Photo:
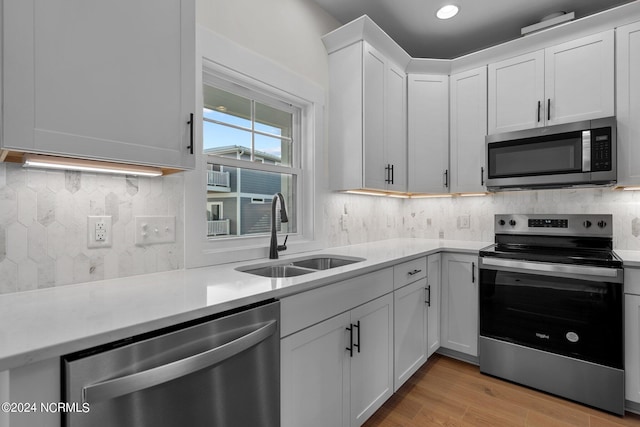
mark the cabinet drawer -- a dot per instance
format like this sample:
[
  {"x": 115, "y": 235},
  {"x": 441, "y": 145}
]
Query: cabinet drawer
[
  {"x": 632, "y": 281},
  {"x": 308, "y": 308},
  {"x": 409, "y": 272}
]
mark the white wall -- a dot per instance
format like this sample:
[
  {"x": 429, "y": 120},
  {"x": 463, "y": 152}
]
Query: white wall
[{"x": 286, "y": 31}]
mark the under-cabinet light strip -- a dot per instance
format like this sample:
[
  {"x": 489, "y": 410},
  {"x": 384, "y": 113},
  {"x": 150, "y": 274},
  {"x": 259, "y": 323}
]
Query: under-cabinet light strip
[{"x": 53, "y": 162}]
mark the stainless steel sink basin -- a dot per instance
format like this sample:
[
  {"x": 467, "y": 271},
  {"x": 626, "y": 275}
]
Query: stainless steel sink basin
[
  {"x": 299, "y": 266},
  {"x": 324, "y": 263},
  {"x": 278, "y": 271}
]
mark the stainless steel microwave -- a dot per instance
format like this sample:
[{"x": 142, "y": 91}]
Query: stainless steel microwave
[{"x": 568, "y": 155}]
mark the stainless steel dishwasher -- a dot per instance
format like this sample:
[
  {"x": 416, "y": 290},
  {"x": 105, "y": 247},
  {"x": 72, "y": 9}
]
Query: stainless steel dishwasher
[{"x": 222, "y": 371}]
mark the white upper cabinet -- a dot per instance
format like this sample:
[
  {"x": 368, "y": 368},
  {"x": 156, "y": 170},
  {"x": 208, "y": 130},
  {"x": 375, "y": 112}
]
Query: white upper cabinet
[
  {"x": 468, "y": 129},
  {"x": 367, "y": 120},
  {"x": 428, "y": 133},
  {"x": 579, "y": 79},
  {"x": 568, "y": 82},
  {"x": 111, "y": 81},
  {"x": 516, "y": 93},
  {"x": 628, "y": 107}
]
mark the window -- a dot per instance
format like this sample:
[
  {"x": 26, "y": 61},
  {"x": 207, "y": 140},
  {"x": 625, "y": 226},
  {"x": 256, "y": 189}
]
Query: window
[
  {"x": 278, "y": 115},
  {"x": 250, "y": 141}
]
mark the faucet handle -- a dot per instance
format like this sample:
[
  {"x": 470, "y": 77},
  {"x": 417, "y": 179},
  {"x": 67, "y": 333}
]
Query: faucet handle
[{"x": 283, "y": 246}]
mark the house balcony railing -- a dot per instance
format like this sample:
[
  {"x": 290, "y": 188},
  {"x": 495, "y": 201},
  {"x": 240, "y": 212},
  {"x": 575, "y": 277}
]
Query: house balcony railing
[
  {"x": 218, "y": 181},
  {"x": 218, "y": 227}
]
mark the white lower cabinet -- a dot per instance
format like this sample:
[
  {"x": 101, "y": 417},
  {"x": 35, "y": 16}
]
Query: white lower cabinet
[
  {"x": 416, "y": 315},
  {"x": 410, "y": 330},
  {"x": 339, "y": 371},
  {"x": 434, "y": 266},
  {"x": 632, "y": 335},
  {"x": 315, "y": 375},
  {"x": 459, "y": 319},
  {"x": 372, "y": 362}
]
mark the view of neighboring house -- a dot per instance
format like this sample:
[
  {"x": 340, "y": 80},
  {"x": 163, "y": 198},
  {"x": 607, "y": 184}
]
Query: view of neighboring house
[{"x": 239, "y": 200}]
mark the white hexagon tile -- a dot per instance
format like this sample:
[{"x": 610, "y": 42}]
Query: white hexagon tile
[
  {"x": 43, "y": 222},
  {"x": 43, "y": 226}
]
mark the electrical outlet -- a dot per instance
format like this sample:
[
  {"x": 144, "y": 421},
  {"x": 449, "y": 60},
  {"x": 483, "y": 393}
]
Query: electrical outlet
[
  {"x": 98, "y": 231},
  {"x": 464, "y": 221},
  {"x": 344, "y": 222}
]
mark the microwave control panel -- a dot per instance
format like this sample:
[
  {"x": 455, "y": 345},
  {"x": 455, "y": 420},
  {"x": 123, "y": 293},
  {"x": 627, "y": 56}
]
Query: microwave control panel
[{"x": 601, "y": 149}]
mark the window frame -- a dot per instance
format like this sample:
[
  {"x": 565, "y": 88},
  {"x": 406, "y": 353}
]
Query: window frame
[
  {"x": 232, "y": 62},
  {"x": 257, "y": 163}
]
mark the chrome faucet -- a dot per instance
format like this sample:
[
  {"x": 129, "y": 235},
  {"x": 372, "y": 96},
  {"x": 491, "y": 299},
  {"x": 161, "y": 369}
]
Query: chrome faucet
[{"x": 273, "y": 246}]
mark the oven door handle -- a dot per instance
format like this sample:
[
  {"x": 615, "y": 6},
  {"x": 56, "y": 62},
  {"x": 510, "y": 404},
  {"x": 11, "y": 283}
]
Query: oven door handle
[
  {"x": 541, "y": 267},
  {"x": 139, "y": 381}
]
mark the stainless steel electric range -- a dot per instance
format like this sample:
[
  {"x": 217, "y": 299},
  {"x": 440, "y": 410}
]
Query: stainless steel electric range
[{"x": 551, "y": 307}]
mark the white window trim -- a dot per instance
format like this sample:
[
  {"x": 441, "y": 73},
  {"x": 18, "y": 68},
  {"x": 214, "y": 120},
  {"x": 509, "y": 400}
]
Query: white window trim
[{"x": 227, "y": 59}]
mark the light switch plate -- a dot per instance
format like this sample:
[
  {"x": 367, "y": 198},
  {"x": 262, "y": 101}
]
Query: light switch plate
[{"x": 151, "y": 230}]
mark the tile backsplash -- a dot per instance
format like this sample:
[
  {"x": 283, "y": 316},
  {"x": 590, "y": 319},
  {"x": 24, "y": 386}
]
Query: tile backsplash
[
  {"x": 43, "y": 221},
  {"x": 379, "y": 218},
  {"x": 43, "y": 226}
]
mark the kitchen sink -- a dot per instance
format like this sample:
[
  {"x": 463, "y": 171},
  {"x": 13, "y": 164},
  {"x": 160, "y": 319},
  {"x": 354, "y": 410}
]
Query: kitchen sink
[
  {"x": 324, "y": 263},
  {"x": 300, "y": 266},
  {"x": 278, "y": 271}
]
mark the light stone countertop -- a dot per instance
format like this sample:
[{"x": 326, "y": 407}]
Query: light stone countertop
[
  {"x": 630, "y": 258},
  {"x": 46, "y": 323},
  {"x": 37, "y": 325}
]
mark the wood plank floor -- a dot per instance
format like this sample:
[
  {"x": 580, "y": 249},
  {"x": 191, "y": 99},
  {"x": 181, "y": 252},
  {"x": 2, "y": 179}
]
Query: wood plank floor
[{"x": 447, "y": 392}]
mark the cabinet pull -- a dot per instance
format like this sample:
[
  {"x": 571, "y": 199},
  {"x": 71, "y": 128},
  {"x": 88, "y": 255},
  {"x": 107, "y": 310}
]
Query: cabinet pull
[
  {"x": 391, "y": 174},
  {"x": 539, "y": 111},
  {"x": 387, "y": 172},
  {"x": 548, "y": 109},
  {"x": 428, "y": 301},
  {"x": 350, "y": 348},
  {"x": 446, "y": 178},
  {"x": 473, "y": 272},
  {"x": 190, "y": 123},
  {"x": 482, "y": 175},
  {"x": 414, "y": 272},
  {"x": 357, "y": 325}
]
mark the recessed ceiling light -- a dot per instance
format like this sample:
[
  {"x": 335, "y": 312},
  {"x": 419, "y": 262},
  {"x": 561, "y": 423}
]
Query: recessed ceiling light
[{"x": 447, "y": 11}]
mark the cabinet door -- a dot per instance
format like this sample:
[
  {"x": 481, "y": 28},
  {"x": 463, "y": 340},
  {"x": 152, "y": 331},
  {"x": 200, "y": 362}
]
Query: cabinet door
[
  {"x": 516, "y": 93},
  {"x": 468, "y": 129},
  {"x": 315, "y": 375},
  {"x": 460, "y": 303},
  {"x": 632, "y": 347},
  {"x": 375, "y": 173},
  {"x": 410, "y": 331},
  {"x": 433, "y": 305},
  {"x": 396, "y": 127},
  {"x": 114, "y": 81},
  {"x": 628, "y": 105},
  {"x": 372, "y": 363},
  {"x": 579, "y": 77},
  {"x": 428, "y": 133}
]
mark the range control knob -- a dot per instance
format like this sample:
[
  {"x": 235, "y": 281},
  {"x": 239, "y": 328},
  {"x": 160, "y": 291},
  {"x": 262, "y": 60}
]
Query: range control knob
[
  {"x": 502, "y": 222},
  {"x": 512, "y": 222},
  {"x": 602, "y": 224},
  {"x": 587, "y": 224}
]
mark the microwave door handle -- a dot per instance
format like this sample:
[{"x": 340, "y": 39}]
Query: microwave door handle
[
  {"x": 586, "y": 151},
  {"x": 548, "y": 269},
  {"x": 161, "y": 374}
]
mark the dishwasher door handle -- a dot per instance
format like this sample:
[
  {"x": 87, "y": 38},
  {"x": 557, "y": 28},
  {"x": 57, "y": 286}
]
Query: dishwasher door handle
[{"x": 164, "y": 373}]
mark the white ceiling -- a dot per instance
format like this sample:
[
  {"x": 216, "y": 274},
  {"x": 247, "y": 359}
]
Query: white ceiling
[{"x": 480, "y": 23}]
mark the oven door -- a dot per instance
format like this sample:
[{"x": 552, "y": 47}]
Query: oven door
[{"x": 571, "y": 310}]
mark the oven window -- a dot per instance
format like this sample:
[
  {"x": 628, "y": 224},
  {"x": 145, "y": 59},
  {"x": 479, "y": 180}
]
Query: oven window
[
  {"x": 562, "y": 154},
  {"x": 575, "y": 318}
]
